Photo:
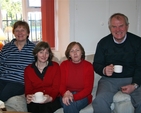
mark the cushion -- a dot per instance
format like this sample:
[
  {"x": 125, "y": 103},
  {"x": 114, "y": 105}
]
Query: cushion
[
  {"x": 16, "y": 103},
  {"x": 119, "y": 96},
  {"x": 120, "y": 103}
]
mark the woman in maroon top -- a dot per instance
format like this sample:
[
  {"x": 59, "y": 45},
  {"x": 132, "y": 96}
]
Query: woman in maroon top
[
  {"x": 77, "y": 77},
  {"x": 42, "y": 76}
]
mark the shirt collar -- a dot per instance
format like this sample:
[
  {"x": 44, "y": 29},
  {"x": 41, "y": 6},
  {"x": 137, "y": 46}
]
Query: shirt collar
[
  {"x": 13, "y": 40},
  {"x": 121, "y": 41},
  {"x": 49, "y": 64}
]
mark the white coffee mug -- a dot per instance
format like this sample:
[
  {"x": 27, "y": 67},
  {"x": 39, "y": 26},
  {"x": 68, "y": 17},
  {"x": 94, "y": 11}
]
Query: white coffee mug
[
  {"x": 38, "y": 96},
  {"x": 118, "y": 68}
]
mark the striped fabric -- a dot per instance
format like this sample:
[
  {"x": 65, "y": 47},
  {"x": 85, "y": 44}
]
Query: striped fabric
[{"x": 13, "y": 61}]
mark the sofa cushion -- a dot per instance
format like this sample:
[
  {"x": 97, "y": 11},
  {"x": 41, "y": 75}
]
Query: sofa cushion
[
  {"x": 119, "y": 96},
  {"x": 121, "y": 101},
  {"x": 16, "y": 103}
]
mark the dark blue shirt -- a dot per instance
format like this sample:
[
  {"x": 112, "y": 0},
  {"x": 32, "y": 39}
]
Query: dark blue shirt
[
  {"x": 13, "y": 61},
  {"x": 127, "y": 54}
]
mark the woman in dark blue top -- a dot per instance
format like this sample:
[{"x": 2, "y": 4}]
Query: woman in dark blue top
[{"x": 14, "y": 57}]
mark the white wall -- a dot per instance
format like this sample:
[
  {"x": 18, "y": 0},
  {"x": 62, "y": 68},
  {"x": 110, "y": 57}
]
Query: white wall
[
  {"x": 62, "y": 27},
  {"x": 89, "y": 20},
  {"x": 86, "y": 21},
  {"x": 139, "y": 17}
]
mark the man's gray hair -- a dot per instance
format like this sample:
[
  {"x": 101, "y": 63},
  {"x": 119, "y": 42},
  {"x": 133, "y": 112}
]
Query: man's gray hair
[{"x": 117, "y": 16}]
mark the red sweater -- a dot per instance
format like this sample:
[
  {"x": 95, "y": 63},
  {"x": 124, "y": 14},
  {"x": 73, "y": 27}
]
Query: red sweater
[
  {"x": 77, "y": 78},
  {"x": 50, "y": 83}
]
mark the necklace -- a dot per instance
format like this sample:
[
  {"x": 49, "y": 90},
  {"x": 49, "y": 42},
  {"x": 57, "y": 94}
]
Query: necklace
[{"x": 41, "y": 69}]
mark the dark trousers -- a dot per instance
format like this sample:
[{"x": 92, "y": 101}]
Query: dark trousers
[
  {"x": 107, "y": 88},
  {"x": 9, "y": 89},
  {"x": 50, "y": 107}
]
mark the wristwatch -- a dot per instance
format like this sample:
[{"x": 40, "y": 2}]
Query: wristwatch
[{"x": 135, "y": 85}]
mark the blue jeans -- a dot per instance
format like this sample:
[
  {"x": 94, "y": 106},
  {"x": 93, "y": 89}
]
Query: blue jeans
[
  {"x": 9, "y": 89},
  {"x": 75, "y": 106}
]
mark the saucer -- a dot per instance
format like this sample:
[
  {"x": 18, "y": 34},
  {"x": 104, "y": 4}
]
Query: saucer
[{"x": 41, "y": 101}]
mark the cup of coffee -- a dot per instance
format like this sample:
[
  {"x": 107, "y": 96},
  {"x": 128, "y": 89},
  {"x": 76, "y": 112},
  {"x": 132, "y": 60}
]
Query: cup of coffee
[
  {"x": 118, "y": 68},
  {"x": 38, "y": 96}
]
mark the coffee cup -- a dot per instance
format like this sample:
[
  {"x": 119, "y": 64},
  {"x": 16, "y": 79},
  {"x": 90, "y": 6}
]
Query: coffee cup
[
  {"x": 38, "y": 96},
  {"x": 118, "y": 68}
]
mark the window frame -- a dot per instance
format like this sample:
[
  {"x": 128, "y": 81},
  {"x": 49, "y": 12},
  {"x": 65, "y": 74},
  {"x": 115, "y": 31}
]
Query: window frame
[
  {"x": 48, "y": 29},
  {"x": 26, "y": 9},
  {"x": 34, "y": 6}
]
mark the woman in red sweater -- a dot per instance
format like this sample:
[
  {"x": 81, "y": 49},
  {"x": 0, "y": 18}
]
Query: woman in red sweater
[
  {"x": 77, "y": 77},
  {"x": 42, "y": 76}
]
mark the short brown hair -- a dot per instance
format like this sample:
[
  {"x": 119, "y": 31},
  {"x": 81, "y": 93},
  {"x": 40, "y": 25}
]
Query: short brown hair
[
  {"x": 41, "y": 46},
  {"x": 67, "y": 52},
  {"x": 21, "y": 23}
]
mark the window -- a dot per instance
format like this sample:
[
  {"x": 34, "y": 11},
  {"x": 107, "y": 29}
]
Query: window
[
  {"x": 34, "y": 3},
  {"x": 10, "y": 12},
  {"x": 38, "y": 13},
  {"x": 20, "y": 10},
  {"x": 32, "y": 14}
]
